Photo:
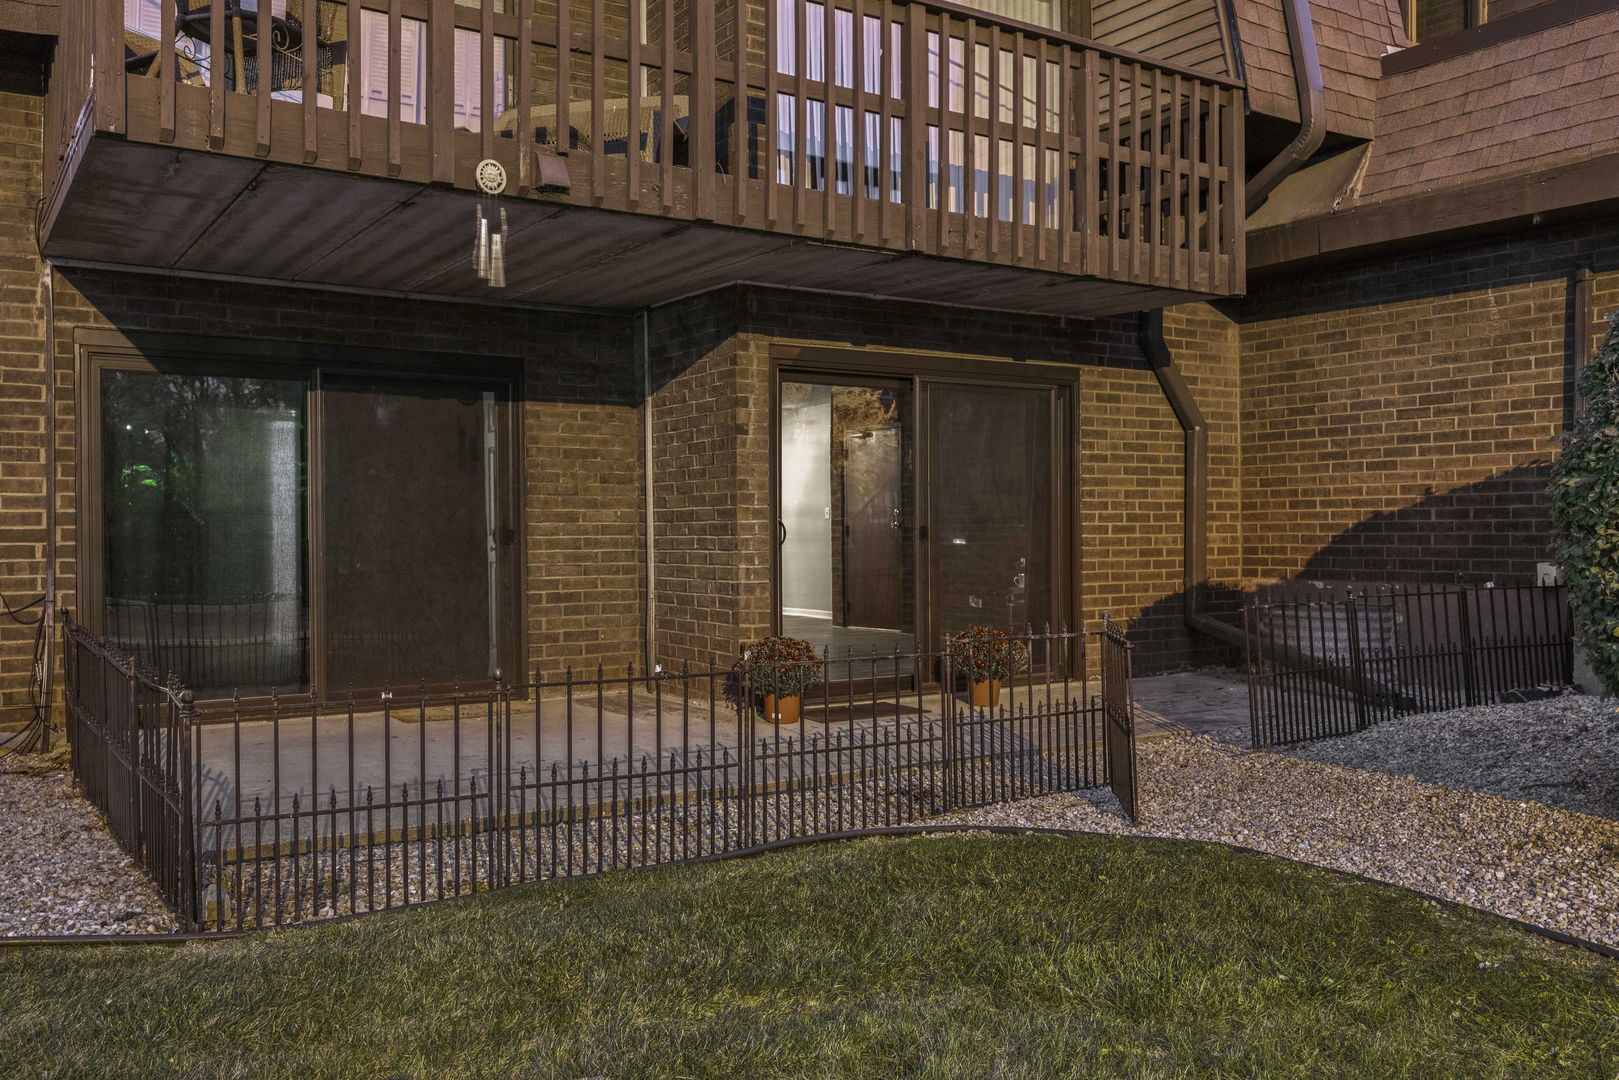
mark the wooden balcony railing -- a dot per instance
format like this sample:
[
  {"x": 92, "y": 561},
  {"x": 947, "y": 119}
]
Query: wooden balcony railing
[{"x": 907, "y": 126}]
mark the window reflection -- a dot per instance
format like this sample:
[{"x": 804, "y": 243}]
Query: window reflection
[
  {"x": 203, "y": 494},
  {"x": 847, "y": 511}
]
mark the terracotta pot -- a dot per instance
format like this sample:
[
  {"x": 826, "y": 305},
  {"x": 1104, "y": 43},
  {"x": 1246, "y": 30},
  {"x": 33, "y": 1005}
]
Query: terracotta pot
[
  {"x": 783, "y": 710},
  {"x": 986, "y": 694}
]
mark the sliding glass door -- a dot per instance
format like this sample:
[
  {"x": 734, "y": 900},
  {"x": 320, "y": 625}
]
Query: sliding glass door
[
  {"x": 305, "y": 530},
  {"x": 847, "y": 515},
  {"x": 990, "y": 498},
  {"x": 911, "y": 508},
  {"x": 410, "y": 554},
  {"x": 203, "y": 486}
]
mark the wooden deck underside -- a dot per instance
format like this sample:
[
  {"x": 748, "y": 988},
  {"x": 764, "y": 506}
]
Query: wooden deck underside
[{"x": 138, "y": 204}]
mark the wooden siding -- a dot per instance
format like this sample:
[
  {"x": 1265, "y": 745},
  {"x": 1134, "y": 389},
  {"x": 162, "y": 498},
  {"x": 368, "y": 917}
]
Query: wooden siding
[
  {"x": 1185, "y": 32},
  {"x": 1351, "y": 38},
  {"x": 1011, "y": 146}
]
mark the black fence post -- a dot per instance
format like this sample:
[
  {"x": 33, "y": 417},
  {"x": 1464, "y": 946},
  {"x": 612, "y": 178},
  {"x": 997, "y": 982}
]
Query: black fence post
[
  {"x": 191, "y": 892},
  {"x": 952, "y": 733},
  {"x": 1357, "y": 661},
  {"x": 1469, "y": 654},
  {"x": 744, "y": 757},
  {"x": 1250, "y": 663}
]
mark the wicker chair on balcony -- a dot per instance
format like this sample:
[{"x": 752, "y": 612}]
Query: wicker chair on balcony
[{"x": 616, "y": 122}]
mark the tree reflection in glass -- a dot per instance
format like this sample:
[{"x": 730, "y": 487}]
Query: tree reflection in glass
[{"x": 204, "y": 483}]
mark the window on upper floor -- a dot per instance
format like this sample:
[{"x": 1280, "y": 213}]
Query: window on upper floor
[{"x": 1426, "y": 20}]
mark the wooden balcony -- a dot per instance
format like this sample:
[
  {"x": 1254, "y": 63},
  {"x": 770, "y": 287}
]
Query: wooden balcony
[{"x": 936, "y": 155}]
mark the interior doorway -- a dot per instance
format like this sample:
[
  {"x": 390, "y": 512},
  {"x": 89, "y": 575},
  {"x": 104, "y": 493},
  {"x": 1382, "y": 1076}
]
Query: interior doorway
[{"x": 847, "y": 514}]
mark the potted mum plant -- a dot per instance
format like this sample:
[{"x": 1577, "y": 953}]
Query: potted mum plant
[
  {"x": 987, "y": 657},
  {"x": 780, "y": 669}
]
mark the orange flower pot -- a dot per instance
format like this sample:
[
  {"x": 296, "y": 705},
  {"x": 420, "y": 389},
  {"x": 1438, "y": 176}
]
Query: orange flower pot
[
  {"x": 986, "y": 694},
  {"x": 783, "y": 710}
]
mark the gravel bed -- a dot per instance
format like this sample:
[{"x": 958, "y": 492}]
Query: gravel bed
[
  {"x": 61, "y": 872},
  {"x": 1561, "y": 751},
  {"x": 1551, "y": 867}
]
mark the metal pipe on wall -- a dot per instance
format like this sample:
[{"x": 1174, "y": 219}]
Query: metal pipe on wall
[
  {"x": 1583, "y": 301},
  {"x": 1195, "y": 562},
  {"x": 643, "y": 349},
  {"x": 1312, "y": 106},
  {"x": 47, "y": 303},
  {"x": 1312, "y": 130}
]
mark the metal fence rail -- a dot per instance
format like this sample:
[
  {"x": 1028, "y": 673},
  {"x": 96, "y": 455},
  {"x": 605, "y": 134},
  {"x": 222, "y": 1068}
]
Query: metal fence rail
[
  {"x": 130, "y": 752},
  {"x": 1339, "y": 659},
  {"x": 280, "y": 811}
]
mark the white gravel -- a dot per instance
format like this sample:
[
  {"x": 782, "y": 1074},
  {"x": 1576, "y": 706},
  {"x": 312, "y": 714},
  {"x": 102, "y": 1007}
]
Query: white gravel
[
  {"x": 1562, "y": 751},
  {"x": 1452, "y": 804},
  {"x": 1551, "y": 867},
  {"x": 61, "y": 872}
]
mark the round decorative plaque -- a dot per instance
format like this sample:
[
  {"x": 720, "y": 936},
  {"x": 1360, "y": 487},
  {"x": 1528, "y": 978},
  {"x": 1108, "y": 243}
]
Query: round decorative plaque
[{"x": 491, "y": 176}]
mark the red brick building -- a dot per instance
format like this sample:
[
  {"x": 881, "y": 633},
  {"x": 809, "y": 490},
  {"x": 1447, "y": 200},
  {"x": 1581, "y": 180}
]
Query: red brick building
[{"x": 792, "y": 326}]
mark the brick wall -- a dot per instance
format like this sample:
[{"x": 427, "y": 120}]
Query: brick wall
[
  {"x": 22, "y": 380},
  {"x": 1399, "y": 415},
  {"x": 710, "y": 483},
  {"x": 1133, "y": 482},
  {"x": 581, "y": 450},
  {"x": 711, "y": 460}
]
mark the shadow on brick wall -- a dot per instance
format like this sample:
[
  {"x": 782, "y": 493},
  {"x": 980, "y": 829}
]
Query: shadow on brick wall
[{"x": 1497, "y": 529}]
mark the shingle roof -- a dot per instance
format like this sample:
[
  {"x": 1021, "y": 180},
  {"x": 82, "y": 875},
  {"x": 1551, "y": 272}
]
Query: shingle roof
[
  {"x": 1351, "y": 38},
  {"x": 1520, "y": 106}
]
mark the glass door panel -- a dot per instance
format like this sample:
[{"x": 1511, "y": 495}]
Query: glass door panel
[
  {"x": 411, "y": 524},
  {"x": 203, "y": 491},
  {"x": 846, "y": 531},
  {"x": 990, "y": 509}
]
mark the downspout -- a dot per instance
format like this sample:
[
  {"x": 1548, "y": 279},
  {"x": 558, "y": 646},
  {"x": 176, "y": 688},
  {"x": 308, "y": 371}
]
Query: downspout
[
  {"x": 47, "y": 303},
  {"x": 1312, "y": 105},
  {"x": 1195, "y": 561},
  {"x": 643, "y": 349},
  {"x": 1312, "y": 130}
]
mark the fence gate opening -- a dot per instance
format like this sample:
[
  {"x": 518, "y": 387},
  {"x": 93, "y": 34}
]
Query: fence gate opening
[
  {"x": 1338, "y": 658},
  {"x": 1119, "y": 731}
]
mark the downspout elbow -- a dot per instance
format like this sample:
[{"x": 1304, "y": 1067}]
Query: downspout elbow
[
  {"x": 1183, "y": 403},
  {"x": 1312, "y": 106}
]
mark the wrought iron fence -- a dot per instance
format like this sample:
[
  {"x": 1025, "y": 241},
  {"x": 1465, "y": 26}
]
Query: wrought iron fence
[
  {"x": 1337, "y": 659},
  {"x": 276, "y": 811},
  {"x": 130, "y": 751}
]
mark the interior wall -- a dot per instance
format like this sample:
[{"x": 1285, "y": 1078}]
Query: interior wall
[{"x": 806, "y": 505}]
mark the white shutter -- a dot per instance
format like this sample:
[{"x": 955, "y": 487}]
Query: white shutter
[{"x": 373, "y": 56}]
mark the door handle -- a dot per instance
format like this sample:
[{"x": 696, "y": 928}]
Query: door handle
[{"x": 781, "y": 536}]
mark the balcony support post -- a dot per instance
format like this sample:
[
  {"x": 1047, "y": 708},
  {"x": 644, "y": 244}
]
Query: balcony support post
[
  {"x": 916, "y": 111},
  {"x": 441, "y": 90},
  {"x": 700, "y": 155}
]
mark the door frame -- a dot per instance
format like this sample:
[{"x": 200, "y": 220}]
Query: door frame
[
  {"x": 97, "y": 349},
  {"x": 808, "y": 362}
]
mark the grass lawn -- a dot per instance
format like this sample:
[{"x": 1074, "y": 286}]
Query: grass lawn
[{"x": 953, "y": 956}]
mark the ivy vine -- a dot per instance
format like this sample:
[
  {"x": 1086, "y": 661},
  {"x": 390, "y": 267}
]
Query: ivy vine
[{"x": 1585, "y": 513}]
